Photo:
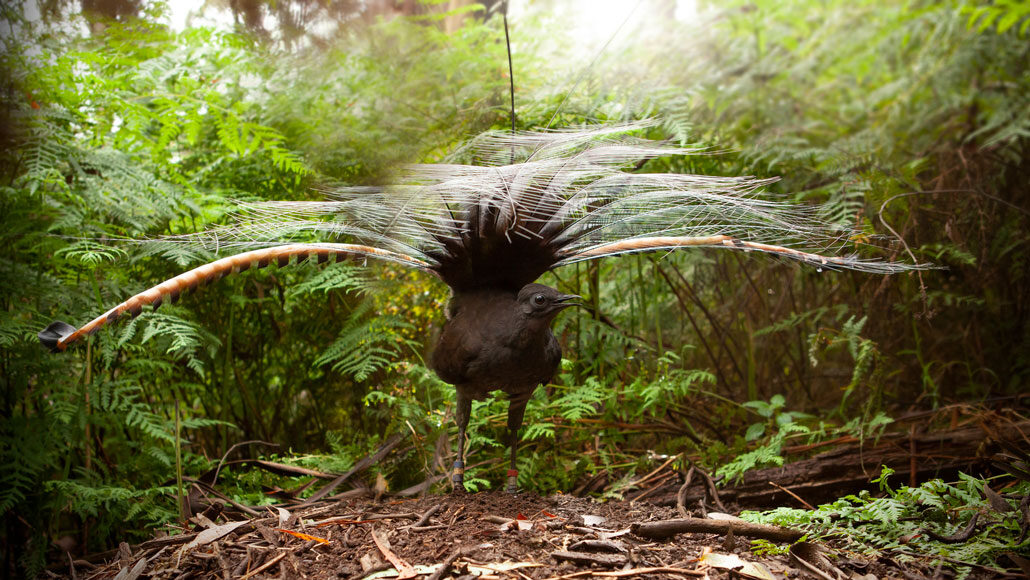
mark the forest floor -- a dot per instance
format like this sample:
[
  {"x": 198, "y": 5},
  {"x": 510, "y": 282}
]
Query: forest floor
[
  {"x": 482, "y": 535},
  {"x": 671, "y": 525}
]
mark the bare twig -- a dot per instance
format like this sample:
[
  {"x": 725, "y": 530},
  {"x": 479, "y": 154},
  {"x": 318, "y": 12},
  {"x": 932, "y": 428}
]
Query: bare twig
[
  {"x": 792, "y": 494},
  {"x": 425, "y": 517},
  {"x": 712, "y": 492},
  {"x": 608, "y": 560},
  {"x": 233, "y": 448},
  {"x": 264, "y": 566},
  {"x": 362, "y": 465},
  {"x": 681, "y": 495},
  {"x": 959, "y": 537},
  {"x": 631, "y": 572},
  {"x": 668, "y": 528},
  {"x": 445, "y": 566}
]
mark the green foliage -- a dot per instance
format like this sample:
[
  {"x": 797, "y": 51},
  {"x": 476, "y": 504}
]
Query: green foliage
[
  {"x": 367, "y": 343},
  {"x": 1000, "y": 15},
  {"x": 896, "y": 523},
  {"x": 896, "y": 117},
  {"x": 782, "y": 424}
]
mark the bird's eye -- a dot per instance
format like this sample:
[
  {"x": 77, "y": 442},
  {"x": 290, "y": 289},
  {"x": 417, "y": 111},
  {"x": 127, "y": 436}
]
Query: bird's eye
[{"x": 539, "y": 300}]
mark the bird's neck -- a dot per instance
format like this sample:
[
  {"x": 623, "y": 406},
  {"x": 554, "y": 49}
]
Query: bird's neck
[{"x": 500, "y": 309}]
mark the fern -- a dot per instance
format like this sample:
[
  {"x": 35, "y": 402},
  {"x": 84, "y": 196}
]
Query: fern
[
  {"x": 365, "y": 345},
  {"x": 341, "y": 276},
  {"x": 582, "y": 401},
  {"x": 894, "y": 524}
]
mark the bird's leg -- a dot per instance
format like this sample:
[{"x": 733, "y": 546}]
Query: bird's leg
[
  {"x": 461, "y": 417},
  {"x": 516, "y": 411}
]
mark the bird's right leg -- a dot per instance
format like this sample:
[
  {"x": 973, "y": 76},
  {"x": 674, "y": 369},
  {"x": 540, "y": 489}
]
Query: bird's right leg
[
  {"x": 516, "y": 413},
  {"x": 461, "y": 417}
]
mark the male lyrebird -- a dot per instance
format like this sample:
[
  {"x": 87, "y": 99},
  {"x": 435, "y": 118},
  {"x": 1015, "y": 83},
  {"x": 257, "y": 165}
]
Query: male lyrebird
[{"x": 534, "y": 201}]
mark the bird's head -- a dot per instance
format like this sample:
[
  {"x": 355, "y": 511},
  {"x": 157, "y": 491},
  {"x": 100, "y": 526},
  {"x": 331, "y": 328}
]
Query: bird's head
[{"x": 539, "y": 301}]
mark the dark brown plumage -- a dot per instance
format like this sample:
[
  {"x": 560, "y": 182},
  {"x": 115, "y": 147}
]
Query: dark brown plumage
[{"x": 496, "y": 340}]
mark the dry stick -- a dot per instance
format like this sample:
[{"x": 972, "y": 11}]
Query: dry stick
[
  {"x": 221, "y": 462},
  {"x": 958, "y": 537},
  {"x": 454, "y": 516},
  {"x": 359, "y": 466},
  {"x": 264, "y": 566},
  {"x": 226, "y": 573},
  {"x": 71, "y": 564},
  {"x": 791, "y": 494},
  {"x": 999, "y": 572},
  {"x": 598, "y": 546},
  {"x": 658, "y": 483},
  {"x": 419, "y": 488},
  {"x": 681, "y": 495},
  {"x": 590, "y": 559},
  {"x": 208, "y": 489},
  {"x": 668, "y": 528},
  {"x": 655, "y": 472},
  {"x": 425, "y": 517},
  {"x": 631, "y": 572},
  {"x": 365, "y": 520},
  {"x": 711, "y": 489},
  {"x": 445, "y": 566}
]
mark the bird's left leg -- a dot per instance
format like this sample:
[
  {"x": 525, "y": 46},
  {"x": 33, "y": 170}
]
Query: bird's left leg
[
  {"x": 461, "y": 417},
  {"x": 516, "y": 412}
]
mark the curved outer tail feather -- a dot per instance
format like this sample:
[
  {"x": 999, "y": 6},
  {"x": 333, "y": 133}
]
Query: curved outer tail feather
[
  {"x": 58, "y": 335},
  {"x": 654, "y": 244}
]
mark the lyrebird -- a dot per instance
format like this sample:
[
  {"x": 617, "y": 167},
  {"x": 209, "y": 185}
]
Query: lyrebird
[{"x": 534, "y": 202}]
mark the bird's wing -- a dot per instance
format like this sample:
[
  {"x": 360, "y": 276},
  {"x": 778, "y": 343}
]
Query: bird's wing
[{"x": 58, "y": 335}]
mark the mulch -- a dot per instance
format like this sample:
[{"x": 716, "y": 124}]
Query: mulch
[
  {"x": 483, "y": 535},
  {"x": 671, "y": 525}
]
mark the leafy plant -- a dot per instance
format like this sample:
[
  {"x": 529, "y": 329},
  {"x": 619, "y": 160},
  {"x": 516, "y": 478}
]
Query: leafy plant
[{"x": 907, "y": 523}]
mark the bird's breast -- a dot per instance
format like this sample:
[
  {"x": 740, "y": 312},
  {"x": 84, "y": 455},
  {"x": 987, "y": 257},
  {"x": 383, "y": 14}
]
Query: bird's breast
[{"x": 490, "y": 345}]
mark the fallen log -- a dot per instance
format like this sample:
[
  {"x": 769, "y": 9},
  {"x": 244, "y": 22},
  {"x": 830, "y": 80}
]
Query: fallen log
[{"x": 851, "y": 466}]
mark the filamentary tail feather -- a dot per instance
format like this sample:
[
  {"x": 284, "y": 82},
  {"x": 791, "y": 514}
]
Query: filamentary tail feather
[{"x": 568, "y": 196}]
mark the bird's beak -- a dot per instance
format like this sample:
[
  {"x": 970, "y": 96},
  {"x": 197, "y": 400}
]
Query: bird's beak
[{"x": 566, "y": 300}]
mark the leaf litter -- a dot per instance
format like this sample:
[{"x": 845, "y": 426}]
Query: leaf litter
[{"x": 486, "y": 535}]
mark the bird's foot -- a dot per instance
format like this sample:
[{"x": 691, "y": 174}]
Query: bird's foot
[
  {"x": 458, "y": 477},
  {"x": 513, "y": 481}
]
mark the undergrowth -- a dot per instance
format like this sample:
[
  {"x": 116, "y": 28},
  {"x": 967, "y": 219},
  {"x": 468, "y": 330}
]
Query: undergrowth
[
  {"x": 898, "y": 117},
  {"x": 924, "y": 523}
]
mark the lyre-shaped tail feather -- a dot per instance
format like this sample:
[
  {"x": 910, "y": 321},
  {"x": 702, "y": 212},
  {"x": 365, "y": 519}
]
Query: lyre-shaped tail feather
[
  {"x": 655, "y": 244},
  {"x": 58, "y": 335}
]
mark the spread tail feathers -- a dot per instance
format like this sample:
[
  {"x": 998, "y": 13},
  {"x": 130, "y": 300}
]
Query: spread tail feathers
[
  {"x": 533, "y": 201},
  {"x": 568, "y": 196}
]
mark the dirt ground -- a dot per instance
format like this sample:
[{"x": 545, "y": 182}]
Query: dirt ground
[{"x": 483, "y": 535}]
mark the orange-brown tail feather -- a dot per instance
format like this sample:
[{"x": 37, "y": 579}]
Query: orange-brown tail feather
[{"x": 58, "y": 335}]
